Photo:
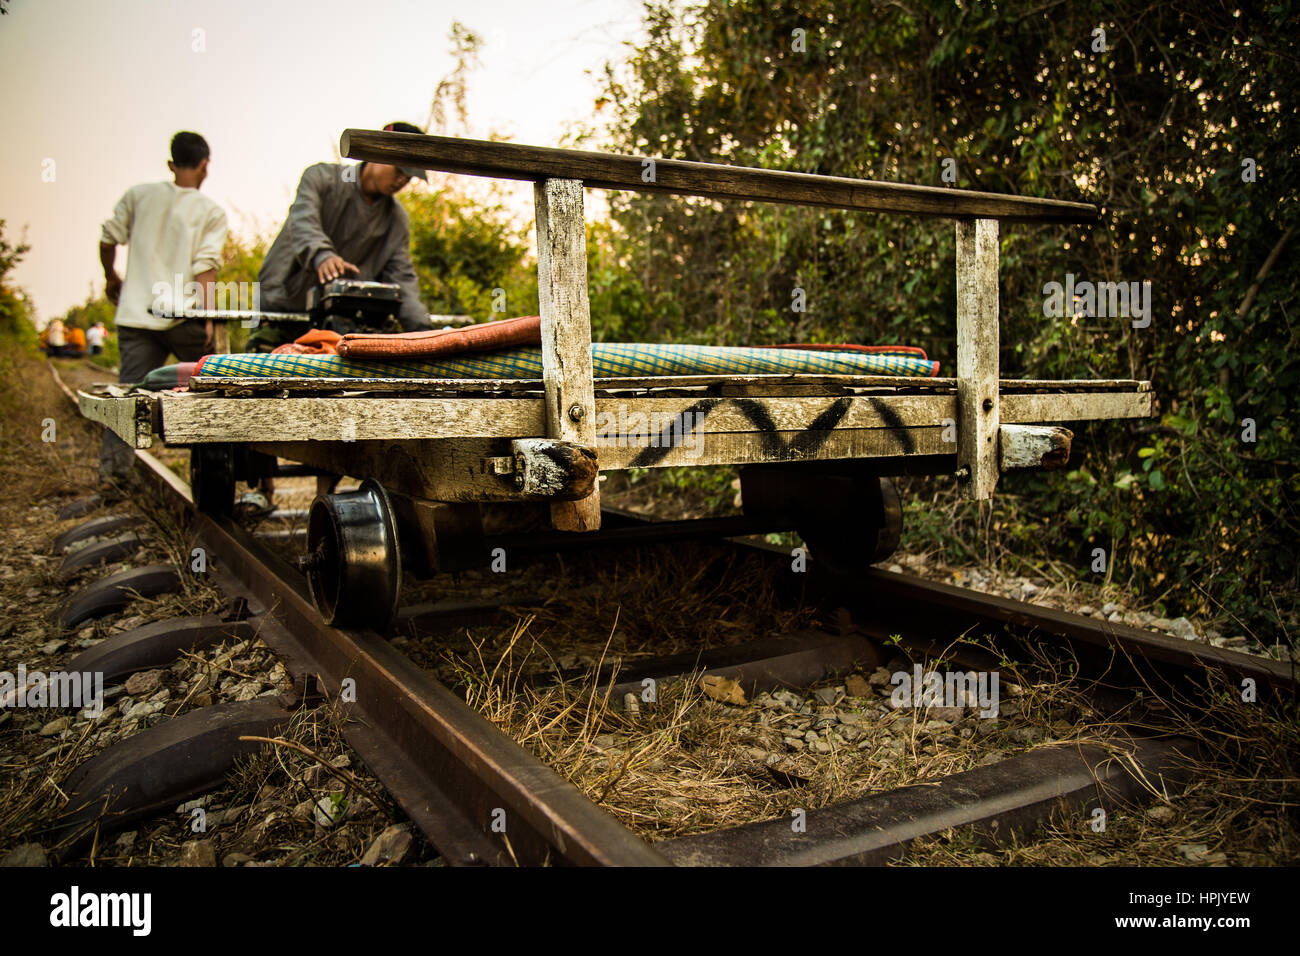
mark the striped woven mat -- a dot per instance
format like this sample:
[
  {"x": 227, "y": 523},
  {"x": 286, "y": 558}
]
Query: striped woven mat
[{"x": 608, "y": 359}]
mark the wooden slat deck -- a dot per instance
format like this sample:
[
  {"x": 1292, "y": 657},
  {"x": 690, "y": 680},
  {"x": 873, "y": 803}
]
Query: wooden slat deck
[
  {"x": 439, "y": 444},
  {"x": 183, "y": 418}
]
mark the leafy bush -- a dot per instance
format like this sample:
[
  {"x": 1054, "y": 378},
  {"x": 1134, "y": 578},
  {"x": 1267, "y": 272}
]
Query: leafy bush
[
  {"x": 1156, "y": 128},
  {"x": 15, "y": 312}
]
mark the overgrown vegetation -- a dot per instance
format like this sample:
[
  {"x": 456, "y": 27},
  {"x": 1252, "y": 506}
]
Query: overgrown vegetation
[
  {"x": 15, "y": 310},
  {"x": 1156, "y": 128}
]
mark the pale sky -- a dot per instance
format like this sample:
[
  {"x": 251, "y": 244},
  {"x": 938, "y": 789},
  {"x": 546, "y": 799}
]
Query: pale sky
[{"x": 100, "y": 86}]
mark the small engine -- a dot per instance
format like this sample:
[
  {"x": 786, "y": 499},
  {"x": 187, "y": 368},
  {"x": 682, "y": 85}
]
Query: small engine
[{"x": 355, "y": 305}]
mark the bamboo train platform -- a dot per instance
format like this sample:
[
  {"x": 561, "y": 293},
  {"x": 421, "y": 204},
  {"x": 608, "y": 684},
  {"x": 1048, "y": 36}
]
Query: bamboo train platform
[{"x": 816, "y": 446}]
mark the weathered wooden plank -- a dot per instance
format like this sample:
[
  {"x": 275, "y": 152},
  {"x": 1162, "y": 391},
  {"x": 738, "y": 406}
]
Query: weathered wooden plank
[
  {"x": 1071, "y": 385},
  {"x": 649, "y": 174},
  {"x": 194, "y": 418},
  {"x": 456, "y": 469},
  {"x": 1027, "y": 409},
  {"x": 129, "y": 417},
  {"x": 652, "y": 415},
  {"x": 757, "y": 384},
  {"x": 191, "y": 419},
  {"x": 753, "y": 448},
  {"x": 1033, "y": 446},
  {"x": 566, "y": 333},
  {"x": 977, "y": 357}
]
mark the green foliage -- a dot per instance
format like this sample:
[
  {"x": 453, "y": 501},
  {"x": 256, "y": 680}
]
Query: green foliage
[
  {"x": 465, "y": 249},
  {"x": 241, "y": 261},
  {"x": 15, "y": 312},
  {"x": 1153, "y": 129}
]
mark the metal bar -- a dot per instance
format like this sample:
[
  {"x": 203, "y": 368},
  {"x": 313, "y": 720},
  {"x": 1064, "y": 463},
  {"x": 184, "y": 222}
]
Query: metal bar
[
  {"x": 887, "y": 602},
  {"x": 234, "y": 315},
  {"x": 1016, "y": 794},
  {"x": 254, "y": 316}
]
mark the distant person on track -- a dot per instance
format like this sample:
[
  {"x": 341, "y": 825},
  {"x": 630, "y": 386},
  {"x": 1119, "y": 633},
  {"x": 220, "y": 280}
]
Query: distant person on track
[
  {"x": 175, "y": 237},
  {"x": 55, "y": 337},
  {"x": 95, "y": 336},
  {"x": 345, "y": 222},
  {"x": 76, "y": 347}
]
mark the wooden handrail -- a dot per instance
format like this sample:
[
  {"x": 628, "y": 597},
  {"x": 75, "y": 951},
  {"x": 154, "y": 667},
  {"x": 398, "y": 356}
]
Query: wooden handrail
[{"x": 612, "y": 171}]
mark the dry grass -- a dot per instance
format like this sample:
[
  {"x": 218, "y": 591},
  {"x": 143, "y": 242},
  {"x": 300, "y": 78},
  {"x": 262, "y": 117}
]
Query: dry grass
[
  {"x": 687, "y": 763},
  {"x": 32, "y": 798},
  {"x": 1242, "y": 804}
]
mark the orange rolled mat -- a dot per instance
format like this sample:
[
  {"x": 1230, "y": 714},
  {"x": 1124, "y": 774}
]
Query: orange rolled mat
[
  {"x": 487, "y": 337},
  {"x": 313, "y": 342}
]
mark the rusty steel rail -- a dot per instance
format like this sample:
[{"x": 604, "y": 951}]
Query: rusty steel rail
[
  {"x": 478, "y": 796},
  {"x": 1012, "y": 796},
  {"x": 887, "y": 603}
]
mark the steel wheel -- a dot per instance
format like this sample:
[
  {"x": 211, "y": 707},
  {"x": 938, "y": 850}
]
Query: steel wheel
[{"x": 353, "y": 560}]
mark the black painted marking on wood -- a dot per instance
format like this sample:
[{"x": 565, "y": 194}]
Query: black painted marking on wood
[
  {"x": 894, "y": 421},
  {"x": 806, "y": 442},
  {"x": 756, "y": 412},
  {"x": 696, "y": 414},
  {"x": 815, "y": 435}
]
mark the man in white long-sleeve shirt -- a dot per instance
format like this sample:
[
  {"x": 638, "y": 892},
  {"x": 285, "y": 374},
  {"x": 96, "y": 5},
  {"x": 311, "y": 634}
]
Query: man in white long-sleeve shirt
[{"x": 175, "y": 237}]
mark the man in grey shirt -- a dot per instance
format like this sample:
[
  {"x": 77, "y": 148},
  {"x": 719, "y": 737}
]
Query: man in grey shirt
[{"x": 344, "y": 223}]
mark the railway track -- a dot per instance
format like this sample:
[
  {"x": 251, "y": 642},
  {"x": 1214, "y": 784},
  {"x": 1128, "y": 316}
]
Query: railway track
[{"x": 480, "y": 798}]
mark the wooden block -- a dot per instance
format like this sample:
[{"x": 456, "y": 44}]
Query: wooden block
[
  {"x": 566, "y": 333},
  {"x": 129, "y": 417},
  {"x": 977, "y": 356},
  {"x": 1033, "y": 446},
  {"x": 553, "y": 469}
]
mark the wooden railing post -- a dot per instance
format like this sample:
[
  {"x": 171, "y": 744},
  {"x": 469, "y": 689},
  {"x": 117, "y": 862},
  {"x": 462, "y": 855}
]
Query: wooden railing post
[
  {"x": 978, "y": 416},
  {"x": 566, "y": 333}
]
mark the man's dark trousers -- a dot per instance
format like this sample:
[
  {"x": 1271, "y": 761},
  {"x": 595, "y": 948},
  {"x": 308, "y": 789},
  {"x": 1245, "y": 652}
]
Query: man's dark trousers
[{"x": 142, "y": 351}]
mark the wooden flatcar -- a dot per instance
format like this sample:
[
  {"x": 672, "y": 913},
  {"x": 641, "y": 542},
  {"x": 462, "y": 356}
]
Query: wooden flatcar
[{"x": 816, "y": 450}]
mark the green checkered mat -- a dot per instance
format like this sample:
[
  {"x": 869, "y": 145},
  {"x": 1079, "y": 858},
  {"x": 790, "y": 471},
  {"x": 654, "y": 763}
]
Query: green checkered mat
[{"x": 608, "y": 359}]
